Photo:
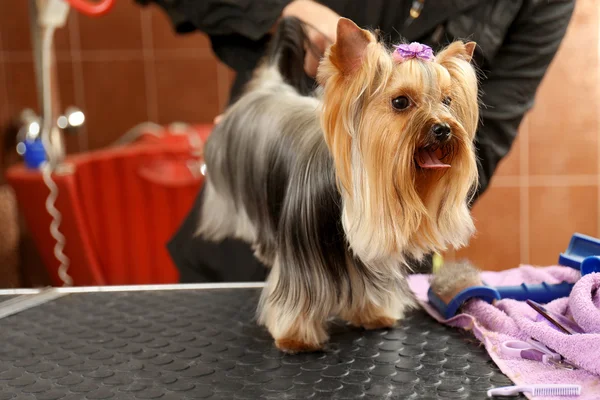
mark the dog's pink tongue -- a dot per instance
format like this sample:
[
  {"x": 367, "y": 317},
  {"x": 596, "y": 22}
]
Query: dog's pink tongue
[{"x": 428, "y": 159}]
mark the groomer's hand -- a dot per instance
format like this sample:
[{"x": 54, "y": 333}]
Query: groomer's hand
[{"x": 321, "y": 29}]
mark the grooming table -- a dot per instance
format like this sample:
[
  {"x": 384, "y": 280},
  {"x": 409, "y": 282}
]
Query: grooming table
[{"x": 201, "y": 342}]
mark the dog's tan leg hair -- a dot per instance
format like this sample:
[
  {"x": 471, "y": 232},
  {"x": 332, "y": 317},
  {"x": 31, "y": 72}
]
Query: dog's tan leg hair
[
  {"x": 294, "y": 328},
  {"x": 377, "y": 306}
]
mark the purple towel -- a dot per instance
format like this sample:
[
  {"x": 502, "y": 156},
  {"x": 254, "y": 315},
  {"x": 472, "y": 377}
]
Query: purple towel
[
  {"x": 586, "y": 296},
  {"x": 509, "y": 320}
]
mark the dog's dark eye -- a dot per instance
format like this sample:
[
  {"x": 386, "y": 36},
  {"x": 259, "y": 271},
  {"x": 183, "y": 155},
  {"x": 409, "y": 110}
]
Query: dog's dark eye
[
  {"x": 400, "y": 103},
  {"x": 447, "y": 101}
]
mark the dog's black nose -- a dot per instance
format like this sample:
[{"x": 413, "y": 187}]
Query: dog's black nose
[{"x": 441, "y": 132}]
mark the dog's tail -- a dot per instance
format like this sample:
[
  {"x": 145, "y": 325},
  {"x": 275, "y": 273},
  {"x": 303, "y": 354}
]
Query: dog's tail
[{"x": 287, "y": 50}]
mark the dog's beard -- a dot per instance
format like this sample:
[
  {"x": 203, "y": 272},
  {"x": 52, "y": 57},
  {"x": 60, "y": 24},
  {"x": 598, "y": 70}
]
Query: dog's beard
[
  {"x": 445, "y": 194},
  {"x": 396, "y": 208}
]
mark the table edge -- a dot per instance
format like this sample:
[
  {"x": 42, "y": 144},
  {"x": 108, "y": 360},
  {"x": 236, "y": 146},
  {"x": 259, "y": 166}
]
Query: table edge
[{"x": 135, "y": 288}]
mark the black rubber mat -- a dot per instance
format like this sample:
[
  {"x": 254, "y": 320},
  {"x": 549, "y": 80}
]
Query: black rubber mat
[{"x": 185, "y": 344}]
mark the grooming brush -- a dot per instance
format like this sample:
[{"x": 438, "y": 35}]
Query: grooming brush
[
  {"x": 537, "y": 390},
  {"x": 456, "y": 283},
  {"x": 583, "y": 254}
]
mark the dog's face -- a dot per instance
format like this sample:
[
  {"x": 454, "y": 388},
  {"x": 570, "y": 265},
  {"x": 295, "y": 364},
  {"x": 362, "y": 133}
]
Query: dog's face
[{"x": 400, "y": 129}]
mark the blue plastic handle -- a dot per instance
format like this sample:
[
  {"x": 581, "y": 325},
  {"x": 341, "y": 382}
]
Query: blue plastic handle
[
  {"x": 449, "y": 310},
  {"x": 540, "y": 293},
  {"x": 590, "y": 265},
  {"x": 580, "y": 247}
]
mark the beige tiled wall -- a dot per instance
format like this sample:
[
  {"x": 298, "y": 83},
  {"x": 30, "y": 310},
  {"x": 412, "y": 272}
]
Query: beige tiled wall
[{"x": 129, "y": 67}]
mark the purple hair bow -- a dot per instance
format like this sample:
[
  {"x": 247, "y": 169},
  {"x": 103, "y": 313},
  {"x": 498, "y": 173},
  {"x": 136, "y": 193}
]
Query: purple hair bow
[{"x": 414, "y": 50}]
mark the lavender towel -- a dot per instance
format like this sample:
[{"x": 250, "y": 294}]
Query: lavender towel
[
  {"x": 510, "y": 320},
  {"x": 584, "y": 303}
]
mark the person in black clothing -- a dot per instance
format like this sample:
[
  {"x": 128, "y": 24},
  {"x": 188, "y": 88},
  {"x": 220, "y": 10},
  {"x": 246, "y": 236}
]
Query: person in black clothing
[{"x": 517, "y": 40}]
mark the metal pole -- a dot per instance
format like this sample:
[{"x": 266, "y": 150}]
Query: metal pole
[
  {"x": 56, "y": 134},
  {"x": 36, "y": 45}
]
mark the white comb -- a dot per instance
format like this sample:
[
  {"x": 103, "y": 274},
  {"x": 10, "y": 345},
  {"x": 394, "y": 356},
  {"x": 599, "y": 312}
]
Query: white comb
[{"x": 537, "y": 390}]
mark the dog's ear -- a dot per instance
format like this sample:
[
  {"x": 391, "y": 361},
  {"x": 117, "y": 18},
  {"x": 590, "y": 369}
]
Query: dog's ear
[
  {"x": 470, "y": 50},
  {"x": 457, "y": 49},
  {"x": 350, "y": 46}
]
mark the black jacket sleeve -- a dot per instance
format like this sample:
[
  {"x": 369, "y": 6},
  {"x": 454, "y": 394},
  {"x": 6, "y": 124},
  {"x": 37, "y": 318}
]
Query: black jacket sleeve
[
  {"x": 513, "y": 77},
  {"x": 250, "y": 19},
  {"x": 237, "y": 29}
]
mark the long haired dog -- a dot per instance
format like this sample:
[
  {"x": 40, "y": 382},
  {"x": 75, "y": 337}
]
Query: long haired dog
[{"x": 337, "y": 190}]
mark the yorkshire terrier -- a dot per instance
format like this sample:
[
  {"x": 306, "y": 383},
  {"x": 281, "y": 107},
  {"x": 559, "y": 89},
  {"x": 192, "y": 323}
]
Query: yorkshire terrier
[{"x": 338, "y": 188}]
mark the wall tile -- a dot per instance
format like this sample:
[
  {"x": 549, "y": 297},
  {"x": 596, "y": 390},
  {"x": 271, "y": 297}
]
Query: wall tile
[
  {"x": 3, "y": 97},
  {"x": 232, "y": 75},
  {"x": 66, "y": 84},
  {"x": 187, "y": 90},
  {"x": 62, "y": 36},
  {"x": 115, "y": 99},
  {"x": 14, "y": 26},
  {"x": 555, "y": 213},
  {"x": 564, "y": 122},
  {"x": 165, "y": 38},
  {"x": 511, "y": 164},
  {"x": 226, "y": 77},
  {"x": 120, "y": 29},
  {"x": 6, "y": 154},
  {"x": 67, "y": 99},
  {"x": 16, "y": 31},
  {"x": 21, "y": 87},
  {"x": 497, "y": 219}
]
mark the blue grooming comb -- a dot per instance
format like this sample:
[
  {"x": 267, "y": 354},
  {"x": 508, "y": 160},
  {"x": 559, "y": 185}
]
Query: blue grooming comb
[
  {"x": 583, "y": 254},
  {"x": 449, "y": 310},
  {"x": 540, "y": 293}
]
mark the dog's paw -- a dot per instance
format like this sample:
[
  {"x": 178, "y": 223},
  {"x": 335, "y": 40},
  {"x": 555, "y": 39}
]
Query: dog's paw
[
  {"x": 374, "y": 323},
  {"x": 293, "y": 346},
  {"x": 379, "y": 323}
]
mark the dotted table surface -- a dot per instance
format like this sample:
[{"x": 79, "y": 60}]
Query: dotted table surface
[{"x": 205, "y": 344}]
